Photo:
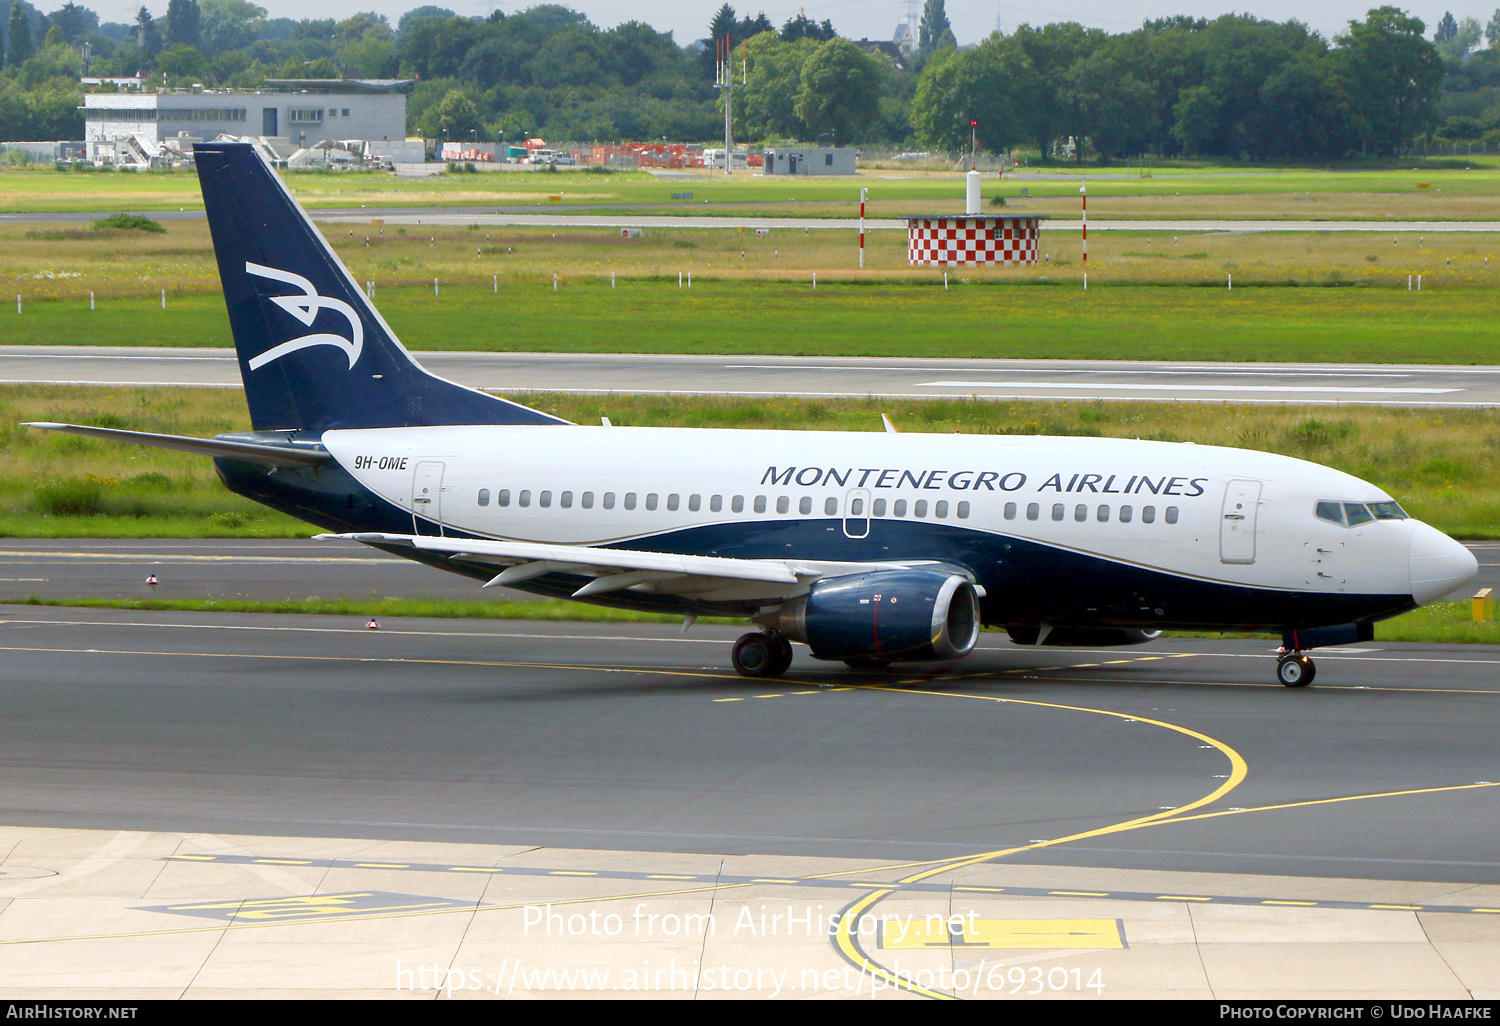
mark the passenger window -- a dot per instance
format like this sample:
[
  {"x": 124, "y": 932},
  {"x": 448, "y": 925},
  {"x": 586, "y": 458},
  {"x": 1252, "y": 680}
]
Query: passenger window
[
  {"x": 566, "y": 500},
  {"x": 737, "y": 505},
  {"x": 609, "y": 500},
  {"x": 879, "y": 507},
  {"x": 715, "y": 503},
  {"x": 1102, "y": 514},
  {"x": 1148, "y": 514},
  {"x": 1010, "y": 511},
  {"x": 695, "y": 503},
  {"x": 630, "y": 500},
  {"x": 1033, "y": 511},
  {"x": 525, "y": 497},
  {"x": 1171, "y": 514},
  {"x": 783, "y": 504},
  {"x": 963, "y": 511},
  {"x": 1125, "y": 513},
  {"x": 1330, "y": 511},
  {"x": 856, "y": 507},
  {"x": 831, "y": 507},
  {"x": 1357, "y": 513},
  {"x": 900, "y": 509},
  {"x": 1058, "y": 511},
  {"x": 940, "y": 509},
  {"x": 588, "y": 500},
  {"x": 544, "y": 500},
  {"x": 672, "y": 502},
  {"x": 1080, "y": 513},
  {"x": 484, "y": 496},
  {"x": 760, "y": 503},
  {"x": 805, "y": 506},
  {"x": 503, "y": 499},
  {"x": 650, "y": 500},
  {"x": 919, "y": 508}
]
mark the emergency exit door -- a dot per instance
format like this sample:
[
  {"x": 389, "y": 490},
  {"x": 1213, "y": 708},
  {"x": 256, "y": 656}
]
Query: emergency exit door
[
  {"x": 1237, "y": 522},
  {"x": 427, "y": 498}
]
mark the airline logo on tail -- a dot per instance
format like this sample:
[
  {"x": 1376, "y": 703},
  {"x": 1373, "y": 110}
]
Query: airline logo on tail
[{"x": 305, "y": 308}]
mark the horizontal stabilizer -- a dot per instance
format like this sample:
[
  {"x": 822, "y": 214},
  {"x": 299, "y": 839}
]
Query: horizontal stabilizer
[{"x": 250, "y": 452}]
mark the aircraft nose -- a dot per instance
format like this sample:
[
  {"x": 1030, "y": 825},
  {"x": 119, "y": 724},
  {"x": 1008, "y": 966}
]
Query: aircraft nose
[{"x": 1439, "y": 565}]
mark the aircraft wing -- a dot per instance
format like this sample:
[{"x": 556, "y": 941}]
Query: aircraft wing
[{"x": 616, "y": 569}]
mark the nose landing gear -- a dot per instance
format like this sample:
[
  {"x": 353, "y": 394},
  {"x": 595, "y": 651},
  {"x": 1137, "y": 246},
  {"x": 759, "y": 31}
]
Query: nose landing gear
[
  {"x": 762, "y": 654},
  {"x": 1295, "y": 670}
]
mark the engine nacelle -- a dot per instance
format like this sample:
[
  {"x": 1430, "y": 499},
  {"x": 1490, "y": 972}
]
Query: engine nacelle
[
  {"x": 1081, "y": 637},
  {"x": 885, "y": 614}
]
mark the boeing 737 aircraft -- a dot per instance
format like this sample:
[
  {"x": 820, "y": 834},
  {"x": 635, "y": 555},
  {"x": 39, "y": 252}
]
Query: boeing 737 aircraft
[{"x": 867, "y": 548}]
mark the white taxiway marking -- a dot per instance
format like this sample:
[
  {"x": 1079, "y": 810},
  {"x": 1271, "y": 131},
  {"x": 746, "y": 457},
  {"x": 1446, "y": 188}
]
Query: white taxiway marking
[{"x": 1184, "y": 388}]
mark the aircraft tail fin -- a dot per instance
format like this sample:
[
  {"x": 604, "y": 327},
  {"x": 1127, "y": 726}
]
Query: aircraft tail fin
[{"x": 314, "y": 352}]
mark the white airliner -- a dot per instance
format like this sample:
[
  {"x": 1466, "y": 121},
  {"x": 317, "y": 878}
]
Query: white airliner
[{"x": 867, "y": 547}]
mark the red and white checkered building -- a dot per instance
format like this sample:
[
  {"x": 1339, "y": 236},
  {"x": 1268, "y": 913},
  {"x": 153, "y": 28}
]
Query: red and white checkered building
[{"x": 955, "y": 241}]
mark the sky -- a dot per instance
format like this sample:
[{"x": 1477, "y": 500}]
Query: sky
[{"x": 972, "y": 20}]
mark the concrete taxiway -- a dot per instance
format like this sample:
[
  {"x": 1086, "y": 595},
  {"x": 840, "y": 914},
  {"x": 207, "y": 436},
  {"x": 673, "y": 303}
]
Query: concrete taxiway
[
  {"x": 234, "y": 805},
  {"x": 881, "y": 377}
]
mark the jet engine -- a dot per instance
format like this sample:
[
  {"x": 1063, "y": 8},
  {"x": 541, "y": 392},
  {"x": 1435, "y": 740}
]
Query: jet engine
[{"x": 884, "y": 616}]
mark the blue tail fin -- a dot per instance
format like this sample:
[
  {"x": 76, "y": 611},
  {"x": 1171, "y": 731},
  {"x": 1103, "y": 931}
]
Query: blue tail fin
[{"x": 314, "y": 353}]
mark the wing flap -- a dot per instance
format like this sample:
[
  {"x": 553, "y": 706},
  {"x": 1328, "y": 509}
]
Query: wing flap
[{"x": 619, "y": 569}]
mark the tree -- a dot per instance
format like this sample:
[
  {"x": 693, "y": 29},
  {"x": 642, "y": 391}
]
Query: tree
[
  {"x": 840, "y": 90},
  {"x": 19, "y": 30},
  {"x": 803, "y": 27},
  {"x": 1396, "y": 76},
  {"x": 454, "y": 114},
  {"x": 934, "y": 33},
  {"x": 180, "y": 61},
  {"x": 184, "y": 23},
  {"x": 1465, "y": 36},
  {"x": 147, "y": 33},
  {"x": 1447, "y": 28},
  {"x": 74, "y": 22},
  {"x": 230, "y": 24},
  {"x": 1492, "y": 30},
  {"x": 767, "y": 106},
  {"x": 989, "y": 84}
]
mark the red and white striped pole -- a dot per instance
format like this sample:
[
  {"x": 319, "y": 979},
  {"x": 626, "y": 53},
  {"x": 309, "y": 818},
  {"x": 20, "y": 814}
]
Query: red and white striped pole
[
  {"x": 863, "y": 193},
  {"x": 1083, "y": 190}
]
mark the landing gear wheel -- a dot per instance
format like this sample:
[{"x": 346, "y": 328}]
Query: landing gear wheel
[
  {"x": 781, "y": 648},
  {"x": 866, "y": 663},
  {"x": 759, "y": 655},
  {"x": 1295, "y": 671}
]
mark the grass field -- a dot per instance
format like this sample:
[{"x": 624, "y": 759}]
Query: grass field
[
  {"x": 1450, "y": 192},
  {"x": 1310, "y": 296},
  {"x": 1444, "y": 468}
]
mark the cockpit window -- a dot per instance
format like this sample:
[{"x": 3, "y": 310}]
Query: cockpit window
[
  {"x": 1330, "y": 511},
  {"x": 1387, "y": 511},
  {"x": 1357, "y": 513}
]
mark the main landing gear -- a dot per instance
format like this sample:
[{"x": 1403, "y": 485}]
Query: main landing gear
[
  {"x": 762, "y": 654},
  {"x": 1295, "y": 670}
]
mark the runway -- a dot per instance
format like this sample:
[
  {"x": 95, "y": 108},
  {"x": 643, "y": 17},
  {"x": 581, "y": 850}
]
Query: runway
[{"x": 882, "y": 377}]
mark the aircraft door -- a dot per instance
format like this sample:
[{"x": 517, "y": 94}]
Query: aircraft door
[
  {"x": 427, "y": 498},
  {"x": 1237, "y": 522},
  {"x": 857, "y": 513}
]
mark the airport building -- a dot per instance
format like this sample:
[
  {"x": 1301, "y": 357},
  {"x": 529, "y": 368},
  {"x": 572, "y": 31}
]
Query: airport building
[
  {"x": 132, "y": 127},
  {"x": 810, "y": 160}
]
